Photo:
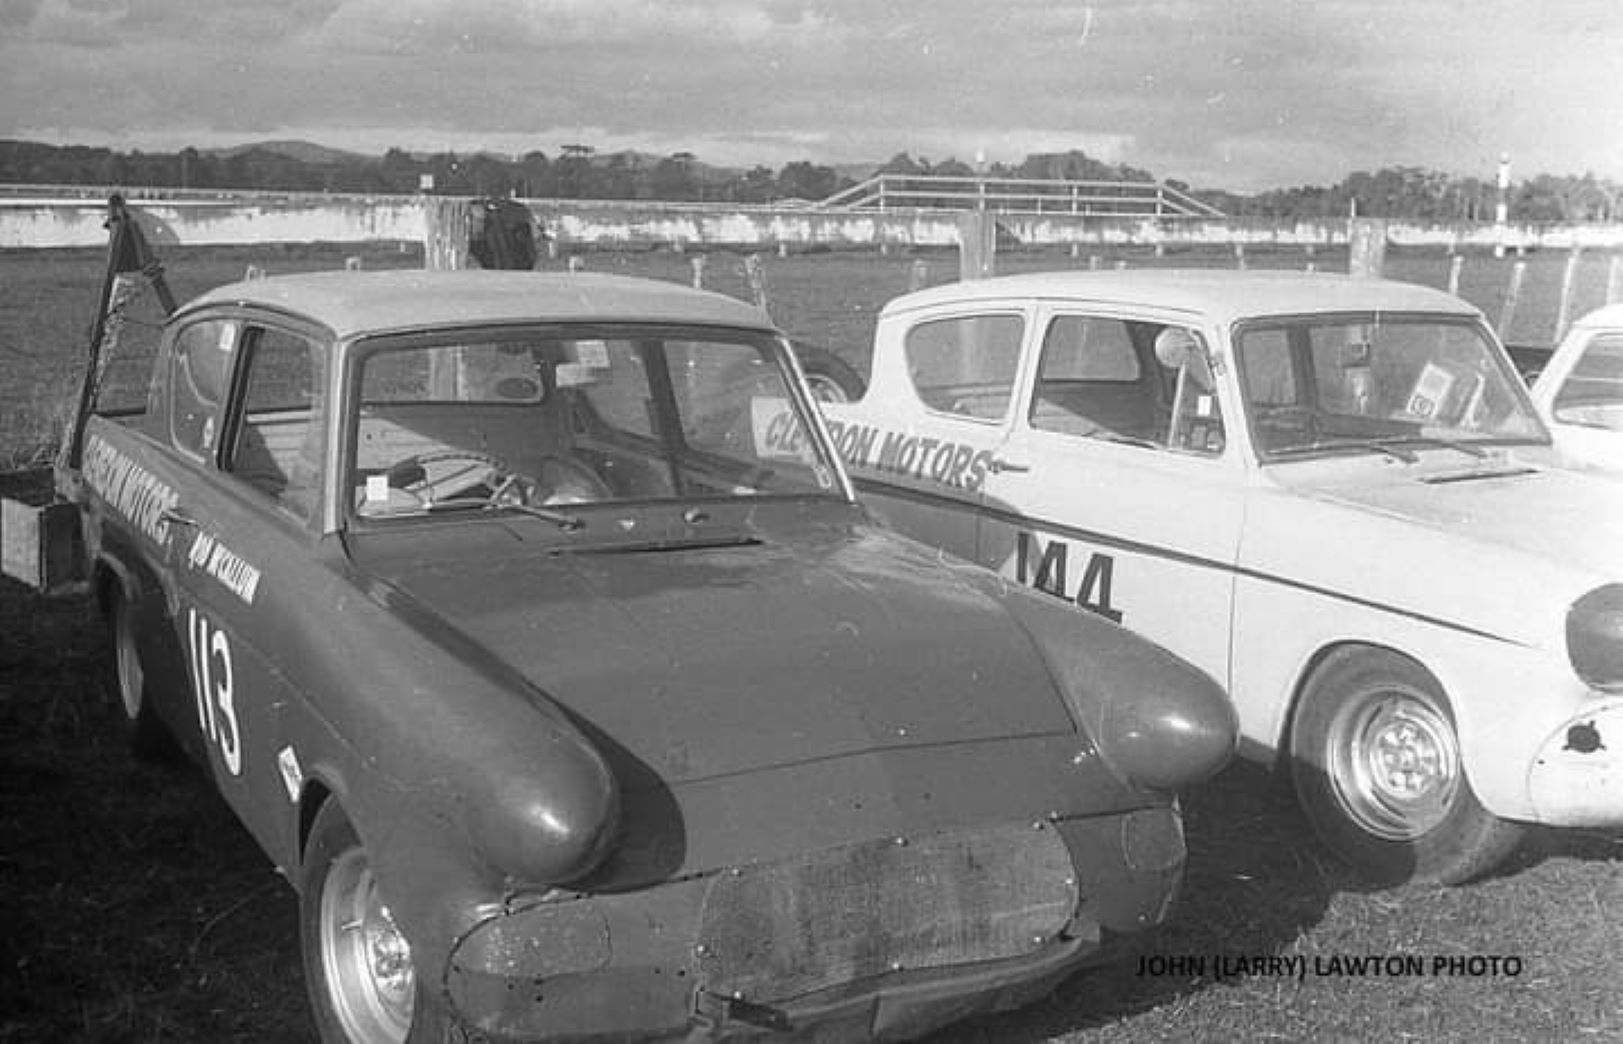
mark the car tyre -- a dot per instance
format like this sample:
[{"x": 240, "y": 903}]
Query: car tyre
[
  {"x": 131, "y": 685},
  {"x": 1376, "y": 765},
  {"x": 831, "y": 378},
  {"x": 357, "y": 965}
]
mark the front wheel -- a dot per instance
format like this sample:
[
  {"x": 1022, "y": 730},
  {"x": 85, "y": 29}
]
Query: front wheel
[
  {"x": 1376, "y": 765},
  {"x": 830, "y": 378},
  {"x": 363, "y": 986},
  {"x": 149, "y": 738}
]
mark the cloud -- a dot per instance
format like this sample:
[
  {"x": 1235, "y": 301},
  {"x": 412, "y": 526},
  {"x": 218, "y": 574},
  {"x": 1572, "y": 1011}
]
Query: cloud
[
  {"x": 603, "y": 26},
  {"x": 18, "y": 12},
  {"x": 1224, "y": 93}
]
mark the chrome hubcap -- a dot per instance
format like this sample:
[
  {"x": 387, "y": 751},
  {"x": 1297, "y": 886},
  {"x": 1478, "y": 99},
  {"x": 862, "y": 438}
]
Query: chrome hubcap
[
  {"x": 1395, "y": 764},
  {"x": 127, "y": 661},
  {"x": 366, "y": 959},
  {"x": 825, "y": 389}
]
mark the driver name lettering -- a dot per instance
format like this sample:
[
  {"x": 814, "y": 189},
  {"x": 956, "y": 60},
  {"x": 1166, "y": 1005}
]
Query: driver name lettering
[{"x": 234, "y": 572}]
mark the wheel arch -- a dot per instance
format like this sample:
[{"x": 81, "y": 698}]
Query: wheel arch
[
  {"x": 1280, "y": 763},
  {"x": 312, "y": 797},
  {"x": 109, "y": 577}
]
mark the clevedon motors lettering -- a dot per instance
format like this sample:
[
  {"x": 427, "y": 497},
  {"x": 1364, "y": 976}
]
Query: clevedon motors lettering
[{"x": 130, "y": 489}]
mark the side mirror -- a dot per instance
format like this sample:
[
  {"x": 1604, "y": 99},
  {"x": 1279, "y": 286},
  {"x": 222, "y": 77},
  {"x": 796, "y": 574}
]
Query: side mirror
[{"x": 1177, "y": 348}]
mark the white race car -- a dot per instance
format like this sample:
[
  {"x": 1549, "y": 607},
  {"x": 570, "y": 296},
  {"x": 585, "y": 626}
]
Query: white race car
[
  {"x": 1330, "y": 493},
  {"x": 1580, "y": 392}
]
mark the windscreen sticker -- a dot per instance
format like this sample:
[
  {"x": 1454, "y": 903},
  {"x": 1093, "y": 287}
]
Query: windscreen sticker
[
  {"x": 235, "y": 573},
  {"x": 574, "y": 375},
  {"x": 1429, "y": 391},
  {"x": 131, "y": 490},
  {"x": 594, "y": 354}
]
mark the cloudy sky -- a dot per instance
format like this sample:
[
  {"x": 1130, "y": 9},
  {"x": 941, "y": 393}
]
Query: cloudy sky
[{"x": 1236, "y": 94}]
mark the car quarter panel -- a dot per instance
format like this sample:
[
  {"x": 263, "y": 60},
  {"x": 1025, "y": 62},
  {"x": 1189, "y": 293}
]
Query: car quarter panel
[{"x": 1471, "y": 614}]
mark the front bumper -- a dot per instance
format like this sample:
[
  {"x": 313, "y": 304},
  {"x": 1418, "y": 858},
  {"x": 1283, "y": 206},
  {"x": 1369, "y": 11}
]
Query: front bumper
[
  {"x": 885, "y": 939},
  {"x": 1576, "y": 779}
]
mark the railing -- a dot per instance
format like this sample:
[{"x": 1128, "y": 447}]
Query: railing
[{"x": 1022, "y": 196}]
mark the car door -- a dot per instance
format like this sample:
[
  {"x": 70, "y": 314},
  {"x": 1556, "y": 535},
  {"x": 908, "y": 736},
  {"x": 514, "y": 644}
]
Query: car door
[
  {"x": 952, "y": 382},
  {"x": 243, "y": 571},
  {"x": 1116, "y": 489}
]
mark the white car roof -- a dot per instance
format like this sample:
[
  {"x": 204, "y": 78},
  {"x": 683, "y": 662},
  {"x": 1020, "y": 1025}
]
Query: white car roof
[
  {"x": 1609, "y": 315},
  {"x": 1224, "y": 295}
]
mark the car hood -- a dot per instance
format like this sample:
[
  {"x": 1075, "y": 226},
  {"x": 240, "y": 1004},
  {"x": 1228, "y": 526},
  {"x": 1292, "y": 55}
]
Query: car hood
[
  {"x": 705, "y": 661},
  {"x": 1558, "y": 515}
]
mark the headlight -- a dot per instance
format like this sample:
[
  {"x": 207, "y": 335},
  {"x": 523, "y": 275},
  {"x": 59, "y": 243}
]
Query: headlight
[
  {"x": 1595, "y": 638},
  {"x": 550, "y": 822}
]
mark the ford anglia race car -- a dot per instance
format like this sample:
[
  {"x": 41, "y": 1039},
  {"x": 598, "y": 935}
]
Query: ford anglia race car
[
  {"x": 1579, "y": 392},
  {"x": 1333, "y": 494},
  {"x": 576, "y": 705}
]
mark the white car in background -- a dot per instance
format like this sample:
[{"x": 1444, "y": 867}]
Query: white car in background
[
  {"x": 1580, "y": 392},
  {"x": 1326, "y": 492}
]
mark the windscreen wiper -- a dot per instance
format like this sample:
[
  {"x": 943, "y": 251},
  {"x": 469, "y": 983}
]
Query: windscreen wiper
[
  {"x": 562, "y": 519},
  {"x": 1433, "y": 440},
  {"x": 1365, "y": 445}
]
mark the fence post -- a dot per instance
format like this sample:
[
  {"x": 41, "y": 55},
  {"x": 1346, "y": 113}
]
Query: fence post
[
  {"x": 1366, "y": 247},
  {"x": 977, "y": 244},
  {"x": 1563, "y": 313},
  {"x": 1507, "y": 314},
  {"x": 757, "y": 279},
  {"x": 447, "y": 231},
  {"x": 447, "y": 228}
]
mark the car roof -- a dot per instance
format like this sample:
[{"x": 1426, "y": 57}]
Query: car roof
[
  {"x": 1607, "y": 315},
  {"x": 1225, "y": 295},
  {"x": 351, "y": 303}
]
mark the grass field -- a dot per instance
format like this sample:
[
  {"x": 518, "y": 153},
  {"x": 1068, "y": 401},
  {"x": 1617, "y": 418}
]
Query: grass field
[{"x": 136, "y": 909}]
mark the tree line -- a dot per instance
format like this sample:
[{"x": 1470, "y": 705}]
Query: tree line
[{"x": 580, "y": 172}]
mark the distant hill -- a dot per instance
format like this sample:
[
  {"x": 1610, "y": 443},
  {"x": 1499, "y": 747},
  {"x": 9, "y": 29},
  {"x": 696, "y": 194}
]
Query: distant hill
[{"x": 303, "y": 151}]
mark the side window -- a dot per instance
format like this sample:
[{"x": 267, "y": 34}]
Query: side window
[
  {"x": 1139, "y": 383},
  {"x": 281, "y": 438},
  {"x": 1083, "y": 348},
  {"x": 200, "y": 375},
  {"x": 1091, "y": 382},
  {"x": 966, "y": 366}
]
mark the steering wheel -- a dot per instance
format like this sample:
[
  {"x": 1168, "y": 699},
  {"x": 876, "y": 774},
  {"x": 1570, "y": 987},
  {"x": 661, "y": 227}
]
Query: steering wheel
[{"x": 410, "y": 475}]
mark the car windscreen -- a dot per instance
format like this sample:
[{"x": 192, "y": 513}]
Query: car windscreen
[
  {"x": 1320, "y": 385},
  {"x": 579, "y": 416}
]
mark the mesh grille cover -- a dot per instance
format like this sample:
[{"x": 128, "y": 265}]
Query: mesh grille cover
[{"x": 775, "y": 932}]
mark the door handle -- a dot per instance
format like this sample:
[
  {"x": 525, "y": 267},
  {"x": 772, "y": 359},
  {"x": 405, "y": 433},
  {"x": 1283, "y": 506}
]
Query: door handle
[
  {"x": 999, "y": 465},
  {"x": 176, "y": 517}
]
